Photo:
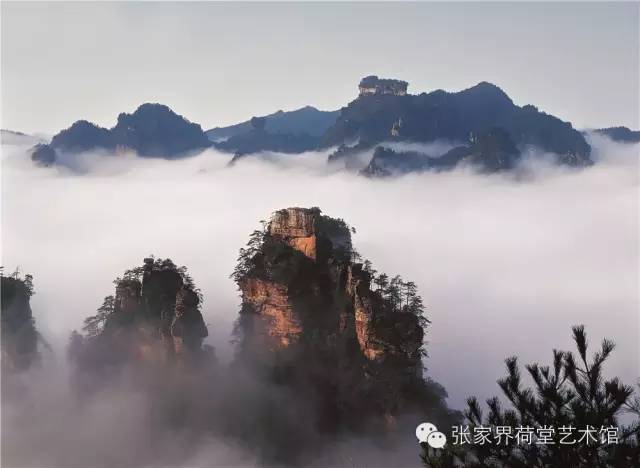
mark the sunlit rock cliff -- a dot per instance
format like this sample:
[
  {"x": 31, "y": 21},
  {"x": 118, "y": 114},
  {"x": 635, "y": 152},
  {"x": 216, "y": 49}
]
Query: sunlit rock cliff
[
  {"x": 325, "y": 348},
  {"x": 321, "y": 321}
]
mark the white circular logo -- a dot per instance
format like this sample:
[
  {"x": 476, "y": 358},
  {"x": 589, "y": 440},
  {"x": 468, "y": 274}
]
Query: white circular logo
[
  {"x": 437, "y": 440},
  {"x": 423, "y": 431}
]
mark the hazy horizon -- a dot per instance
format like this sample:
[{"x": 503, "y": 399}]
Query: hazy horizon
[{"x": 220, "y": 63}]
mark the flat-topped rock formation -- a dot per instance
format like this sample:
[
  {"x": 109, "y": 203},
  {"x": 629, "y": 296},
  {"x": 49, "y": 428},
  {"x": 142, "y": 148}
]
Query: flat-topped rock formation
[{"x": 312, "y": 313}]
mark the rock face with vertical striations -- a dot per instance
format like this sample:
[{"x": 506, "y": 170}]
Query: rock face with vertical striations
[
  {"x": 297, "y": 228},
  {"x": 271, "y": 301},
  {"x": 311, "y": 316},
  {"x": 325, "y": 347},
  {"x": 311, "y": 257},
  {"x": 380, "y": 335}
]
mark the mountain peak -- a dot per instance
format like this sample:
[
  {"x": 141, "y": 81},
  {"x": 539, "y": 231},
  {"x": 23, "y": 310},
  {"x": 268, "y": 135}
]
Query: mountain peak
[
  {"x": 153, "y": 129},
  {"x": 152, "y": 110},
  {"x": 301, "y": 289},
  {"x": 153, "y": 107},
  {"x": 306, "y": 120},
  {"x": 156, "y": 130},
  {"x": 486, "y": 89},
  {"x": 81, "y": 136},
  {"x": 372, "y": 85}
]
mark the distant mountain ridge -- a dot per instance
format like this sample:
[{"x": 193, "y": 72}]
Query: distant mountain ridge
[
  {"x": 257, "y": 139},
  {"x": 152, "y": 130},
  {"x": 306, "y": 120},
  {"x": 620, "y": 134},
  {"x": 489, "y": 151},
  {"x": 382, "y": 113},
  {"x": 372, "y": 119}
]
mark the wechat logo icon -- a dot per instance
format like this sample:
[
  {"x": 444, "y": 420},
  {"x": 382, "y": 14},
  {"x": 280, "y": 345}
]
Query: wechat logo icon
[{"x": 428, "y": 433}]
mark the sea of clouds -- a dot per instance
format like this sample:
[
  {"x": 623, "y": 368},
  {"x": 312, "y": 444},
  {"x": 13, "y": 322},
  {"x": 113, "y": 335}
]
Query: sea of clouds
[{"x": 506, "y": 263}]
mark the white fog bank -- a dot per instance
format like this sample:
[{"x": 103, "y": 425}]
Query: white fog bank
[{"x": 505, "y": 265}]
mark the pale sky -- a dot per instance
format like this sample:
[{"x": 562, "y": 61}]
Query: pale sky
[{"x": 220, "y": 63}]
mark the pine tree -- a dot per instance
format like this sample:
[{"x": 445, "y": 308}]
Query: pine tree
[
  {"x": 382, "y": 282},
  {"x": 410, "y": 291},
  {"x": 571, "y": 393},
  {"x": 394, "y": 292},
  {"x": 94, "y": 325},
  {"x": 416, "y": 307},
  {"x": 247, "y": 254},
  {"x": 28, "y": 283}
]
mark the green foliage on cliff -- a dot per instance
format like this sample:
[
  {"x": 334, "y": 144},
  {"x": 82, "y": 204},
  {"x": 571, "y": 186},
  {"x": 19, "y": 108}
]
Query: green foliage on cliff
[
  {"x": 247, "y": 256},
  {"x": 400, "y": 295},
  {"x": 153, "y": 262},
  {"x": 19, "y": 337},
  {"x": 263, "y": 256},
  {"x": 135, "y": 274},
  {"x": 15, "y": 280},
  {"x": 338, "y": 232},
  {"x": 263, "y": 253},
  {"x": 94, "y": 325},
  {"x": 132, "y": 278}
]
